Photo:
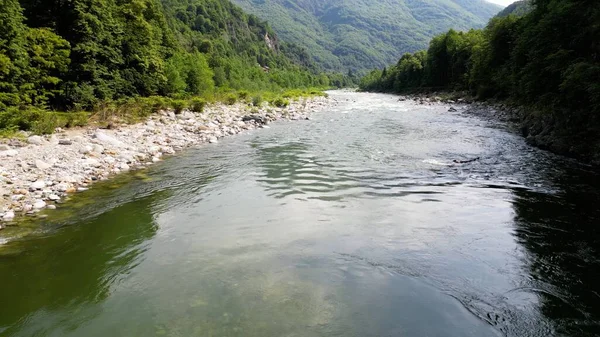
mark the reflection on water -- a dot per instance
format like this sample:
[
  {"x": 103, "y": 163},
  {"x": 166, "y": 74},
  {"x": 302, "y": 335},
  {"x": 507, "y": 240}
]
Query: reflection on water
[
  {"x": 562, "y": 238},
  {"x": 355, "y": 223},
  {"x": 66, "y": 272}
]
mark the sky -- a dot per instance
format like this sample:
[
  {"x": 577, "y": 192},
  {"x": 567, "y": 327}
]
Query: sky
[{"x": 502, "y": 2}]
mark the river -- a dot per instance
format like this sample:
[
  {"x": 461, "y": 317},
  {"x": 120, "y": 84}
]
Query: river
[{"x": 355, "y": 223}]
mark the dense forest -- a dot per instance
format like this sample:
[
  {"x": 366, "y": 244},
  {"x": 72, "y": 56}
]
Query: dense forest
[
  {"x": 79, "y": 55},
  {"x": 547, "y": 61},
  {"x": 357, "y": 35}
]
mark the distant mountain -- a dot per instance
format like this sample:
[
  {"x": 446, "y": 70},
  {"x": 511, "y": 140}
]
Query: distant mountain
[
  {"x": 518, "y": 8},
  {"x": 356, "y": 35}
]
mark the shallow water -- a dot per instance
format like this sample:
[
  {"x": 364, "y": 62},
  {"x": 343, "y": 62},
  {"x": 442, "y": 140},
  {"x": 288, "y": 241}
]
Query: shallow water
[{"x": 355, "y": 223}]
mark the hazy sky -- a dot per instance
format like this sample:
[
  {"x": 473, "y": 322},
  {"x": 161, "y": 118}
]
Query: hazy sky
[{"x": 502, "y": 2}]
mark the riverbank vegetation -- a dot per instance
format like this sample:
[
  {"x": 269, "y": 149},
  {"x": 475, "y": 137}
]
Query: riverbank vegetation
[
  {"x": 547, "y": 60},
  {"x": 64, "y": 61}
]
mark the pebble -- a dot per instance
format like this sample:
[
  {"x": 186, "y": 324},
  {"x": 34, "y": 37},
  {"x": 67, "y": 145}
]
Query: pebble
[
  {"x": 53, "y": 197},
  {"x": 51, "y": 207}
]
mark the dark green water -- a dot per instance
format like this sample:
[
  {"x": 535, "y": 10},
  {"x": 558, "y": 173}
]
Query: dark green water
[{"x": 346, "y": 225}]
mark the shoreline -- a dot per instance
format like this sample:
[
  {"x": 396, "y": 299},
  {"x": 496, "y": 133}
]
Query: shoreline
[
  {"x": 537, "y": 130},
  {"x": 40, "y": 171}
]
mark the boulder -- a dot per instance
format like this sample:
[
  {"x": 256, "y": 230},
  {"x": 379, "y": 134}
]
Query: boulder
[
  {"x": 39, "y": 204},
  {"x": 38, "y": 185},
  {"x": 8, "y": 216},
  {"x": 9, "y": 153},
  {"x": 35, "y": 140},
  {"x": 108, "y": 140}
]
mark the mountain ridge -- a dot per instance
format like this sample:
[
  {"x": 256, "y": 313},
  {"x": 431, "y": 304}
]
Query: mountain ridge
[{"x": 359, "y": 34}]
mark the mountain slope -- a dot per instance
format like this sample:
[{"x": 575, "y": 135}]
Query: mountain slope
[
  {"x": 518, "y": 8},
  {"x": 362, "y": 34}
]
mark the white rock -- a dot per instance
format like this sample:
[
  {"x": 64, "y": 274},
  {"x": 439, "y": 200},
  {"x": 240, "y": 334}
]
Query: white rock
[
  {"x": 4, "y": 147},
  {"x": 9, "y": 153},
  {"x": 81, "y": 189},
  {"x": 38, "y": 185},
  {"x": 51, "y": 207},
  {"x": 42, "y": 165},
  {"x": 35, "y": 140},
  {"x": 86, "y": 149},
  {"x": 212, "y": 140},
  {"x": 92, "y": 162},
  {"x": 98, "y": 148},
  {"x": 109, "y": 160},
  {"x": 155, "y": 159},
  {"x": 53, "y": 197},
  {"x": 8, "y": 216},
  {"x": 39, "y": 204},
  {"x": 124, "y": 167},
  {"x": 109, "y": 140},
  {"x": 62, "y": 187},
  {"x": 27, "y": 207}
]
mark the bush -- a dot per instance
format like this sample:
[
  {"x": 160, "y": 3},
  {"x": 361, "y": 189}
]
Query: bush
[
  {"x": 197, "y": 105},
  {"x": 178, "y": 105},
  {"x": 46, "y": 124},
  {"x": 231, "y": 99},
  {"x": 257, "y": 100},
  {"x": 280, "y": 102},
  {"x": 243, "y": 95}
]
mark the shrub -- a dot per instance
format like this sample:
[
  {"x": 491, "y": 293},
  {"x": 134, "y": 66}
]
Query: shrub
[
  {"x": 178, "y": 105},
  {"x": 280, "y": 102},
  {"x": 257, "y": 100},
  {"x": 197, "y": 105},
  {"x": 243, "y": 95},
  {"x": 47, "y": 122},
  {"x": 231, "y": 99}
]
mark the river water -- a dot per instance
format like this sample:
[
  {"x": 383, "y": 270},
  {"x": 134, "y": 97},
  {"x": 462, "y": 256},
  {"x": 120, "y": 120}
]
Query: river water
[{"x": 355, "y": 223}]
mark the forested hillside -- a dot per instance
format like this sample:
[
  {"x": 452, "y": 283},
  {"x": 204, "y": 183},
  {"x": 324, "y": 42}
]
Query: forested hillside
[
  {"x": 359, "y": 34},
  {"x": 81, "y": 54},
  {"x": 547, "y": 60},
  {"x": 518, "y": 8}
]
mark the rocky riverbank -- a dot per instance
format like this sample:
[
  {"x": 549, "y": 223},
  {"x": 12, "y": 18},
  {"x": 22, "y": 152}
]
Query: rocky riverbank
[
  {"x": 542, "y": 130},
  {"x": 37, "y": 172}
]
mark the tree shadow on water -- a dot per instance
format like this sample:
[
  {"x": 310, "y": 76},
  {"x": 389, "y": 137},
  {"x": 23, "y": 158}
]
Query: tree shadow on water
[{"x": 55, "y": 274}]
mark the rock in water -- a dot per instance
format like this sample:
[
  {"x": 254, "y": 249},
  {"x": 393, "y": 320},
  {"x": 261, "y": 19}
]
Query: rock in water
[{"x": 452, "y": 109}]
